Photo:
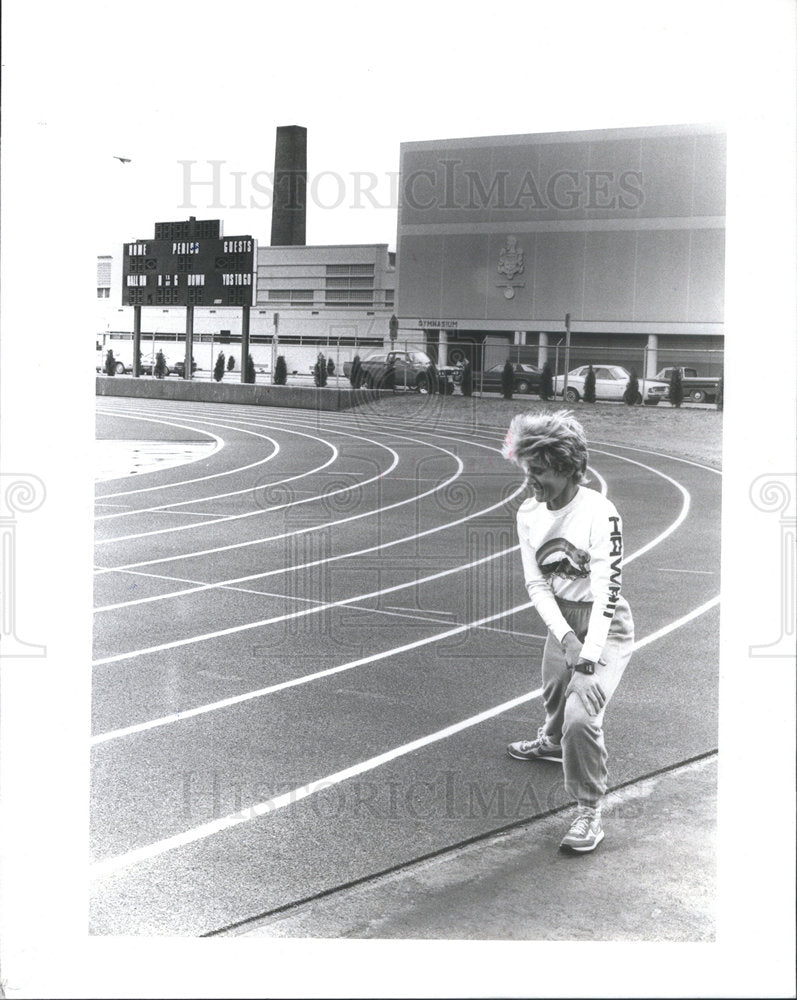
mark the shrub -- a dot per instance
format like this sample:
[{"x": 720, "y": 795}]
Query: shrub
[
  {"x": 721, "y": 393},
  {"x": 508, "y": 379},
  {"x": 160, "y": 365},
  {"x": 389, "y": 376},
  {"x": 110, "y": 363},
  {"x": 632, "y": 396},
  {"x": 330, "y": 367},
  {"x": 280, "y": 371},
  {"x": 354, "y": 372},
  {"x": 467, "y": 379},
  {"x": 320, "y": 371},
  {"x": 218, "y": 371},
  {"x": 676, "y": 388},
  {"x": 546, "y": 382},
  {"x": 589, "y": 386},
  {"x": 249, "y": 373},
  {"x": 230, "y": 363}
]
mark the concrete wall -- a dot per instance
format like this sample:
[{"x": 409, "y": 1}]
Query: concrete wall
[{"x": 298, "y": 397}]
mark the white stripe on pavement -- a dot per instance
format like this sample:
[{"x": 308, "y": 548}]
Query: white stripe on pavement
[{"x": 101, "y": 869}]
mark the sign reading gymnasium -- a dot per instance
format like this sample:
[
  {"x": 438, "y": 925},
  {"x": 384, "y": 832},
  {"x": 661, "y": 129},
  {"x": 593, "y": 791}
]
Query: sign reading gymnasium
[{"x": 189, "y": 264}]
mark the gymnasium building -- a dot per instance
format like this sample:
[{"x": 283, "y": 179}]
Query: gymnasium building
[{"x": 500, "y": 238}]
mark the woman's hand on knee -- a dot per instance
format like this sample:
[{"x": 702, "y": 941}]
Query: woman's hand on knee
[{"x": 588, "y": 689}]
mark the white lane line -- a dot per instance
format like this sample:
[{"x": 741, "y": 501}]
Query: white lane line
[
  {"x": 678, "y": 623},
  {"x": 183, "y": 513},
  {"x": 659, "y": 454},
  {"x": 428, "y": 611},
  {"x": 304, "y": 679},
  {"x": 183, "y": 427},
  {"x": 234, "y": 630},
  {"x": 687, "y": 500},
  {"x": 218, "y": 496},
  {"x": 101, "y": 869},
  {"x": 141, "y": 727},
  {"x": 604, "y": 487},
  {"x": 248, "y": 489},
  {"x": 402, "y": 586},
  {"x": 346, "y": 555},
  {"x": 317, "y": 527},
  {"x": 294, "y": 568},
  {"x": 703, "y": 572}
]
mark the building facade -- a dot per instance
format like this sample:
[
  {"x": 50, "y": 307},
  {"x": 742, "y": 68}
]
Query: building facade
[
  {"x": 334, "y": 299},
  {"x": 501, "y": 237}
]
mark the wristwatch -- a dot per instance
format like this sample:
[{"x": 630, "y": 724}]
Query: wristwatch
[{"x": 585, "y": 667}]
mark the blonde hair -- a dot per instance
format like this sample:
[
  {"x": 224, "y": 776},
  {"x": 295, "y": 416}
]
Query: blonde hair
[{"x": 555, "y": 438}]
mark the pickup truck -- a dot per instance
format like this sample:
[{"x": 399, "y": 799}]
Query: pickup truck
[
  {"x": 411, "y": 370},
  {"x": 697, "y": 388}
]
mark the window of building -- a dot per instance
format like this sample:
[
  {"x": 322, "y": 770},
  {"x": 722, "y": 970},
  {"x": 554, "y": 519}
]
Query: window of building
[
  {"x": 349, "y": 269},
  {"x": 290, "y": 295},
  {"x": 103, "y": 270},
  {"x": 349, "y": 297},
  {"x": 103, "y": 293}
]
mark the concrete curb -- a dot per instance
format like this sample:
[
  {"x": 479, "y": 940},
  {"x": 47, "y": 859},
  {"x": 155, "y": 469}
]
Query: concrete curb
[
  {"x": 652, "y": 879},
  {"x": 293, "y": 396}
]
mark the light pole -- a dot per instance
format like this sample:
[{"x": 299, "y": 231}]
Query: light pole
[{"x": 567, "y": 355}]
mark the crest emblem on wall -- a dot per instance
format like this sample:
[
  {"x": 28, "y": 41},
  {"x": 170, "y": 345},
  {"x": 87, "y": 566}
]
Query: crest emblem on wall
[{"x": 510, "y": 263}]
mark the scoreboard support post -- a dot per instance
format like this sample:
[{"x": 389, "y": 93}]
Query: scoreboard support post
[
  {"x": 244, "y": 341},
  {"x": 136, "y": 341},
  {"x": 189, "y": 341}
]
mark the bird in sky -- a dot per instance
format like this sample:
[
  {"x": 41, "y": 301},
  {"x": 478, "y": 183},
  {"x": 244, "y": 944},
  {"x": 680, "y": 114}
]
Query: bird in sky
[{"x": 122, "y": 159}]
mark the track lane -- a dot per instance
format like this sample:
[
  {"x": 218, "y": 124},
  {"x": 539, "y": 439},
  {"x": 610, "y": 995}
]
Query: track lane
[{"x": 356, "y": 844}]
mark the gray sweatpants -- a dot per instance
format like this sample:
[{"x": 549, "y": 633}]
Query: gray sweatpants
[{"x": 566, "y": 719}]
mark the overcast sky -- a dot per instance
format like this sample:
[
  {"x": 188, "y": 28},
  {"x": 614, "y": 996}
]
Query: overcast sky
[{"x": 166, "y": 83}]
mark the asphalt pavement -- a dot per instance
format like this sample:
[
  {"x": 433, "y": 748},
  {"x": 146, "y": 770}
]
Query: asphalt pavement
[
  {"x": 312, "y": 645},
  {"x": 519, "y": 886}
]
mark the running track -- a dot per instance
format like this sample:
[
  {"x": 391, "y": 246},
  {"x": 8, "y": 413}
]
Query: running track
[{"x": 312, "y": 644}]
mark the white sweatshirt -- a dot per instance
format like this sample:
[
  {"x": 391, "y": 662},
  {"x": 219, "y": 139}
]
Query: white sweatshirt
[{"x": 575, "y": 553}]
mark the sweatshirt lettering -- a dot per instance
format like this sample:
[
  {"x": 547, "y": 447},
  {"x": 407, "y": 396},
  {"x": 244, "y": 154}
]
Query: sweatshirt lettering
[{"x": 616, "y": 551}]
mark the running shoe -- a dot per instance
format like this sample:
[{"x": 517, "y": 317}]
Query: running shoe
[
  {"x": 585, "y": 832},
  {"x": 543, "y": 748}
]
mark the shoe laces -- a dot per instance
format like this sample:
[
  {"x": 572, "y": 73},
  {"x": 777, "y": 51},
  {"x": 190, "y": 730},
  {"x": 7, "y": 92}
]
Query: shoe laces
[{"x": 581, "y": 824}]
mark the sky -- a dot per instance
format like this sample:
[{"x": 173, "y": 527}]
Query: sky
[
  {"x": 172, "y": 81},
  {"x": 173, "y": 86}
]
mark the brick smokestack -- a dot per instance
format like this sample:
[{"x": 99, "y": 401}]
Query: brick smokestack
[{"x": 289, "y": 214}]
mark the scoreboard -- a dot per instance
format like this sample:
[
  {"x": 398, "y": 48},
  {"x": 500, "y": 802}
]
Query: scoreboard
[{"x": 189, "y": 264}]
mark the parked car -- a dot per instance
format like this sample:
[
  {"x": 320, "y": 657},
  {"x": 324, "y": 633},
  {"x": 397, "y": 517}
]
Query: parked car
[
  {"x": 178, "y": 368},
  {"x": 526, "y": 378},
  {"x": 610, "y": 383},
  {"x": 697, "y": 388},
  {"x": 412, "y": 370}
]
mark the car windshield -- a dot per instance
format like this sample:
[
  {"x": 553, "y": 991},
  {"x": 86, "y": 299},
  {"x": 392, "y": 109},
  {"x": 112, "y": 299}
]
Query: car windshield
[{"x": 618, "y": 372}]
